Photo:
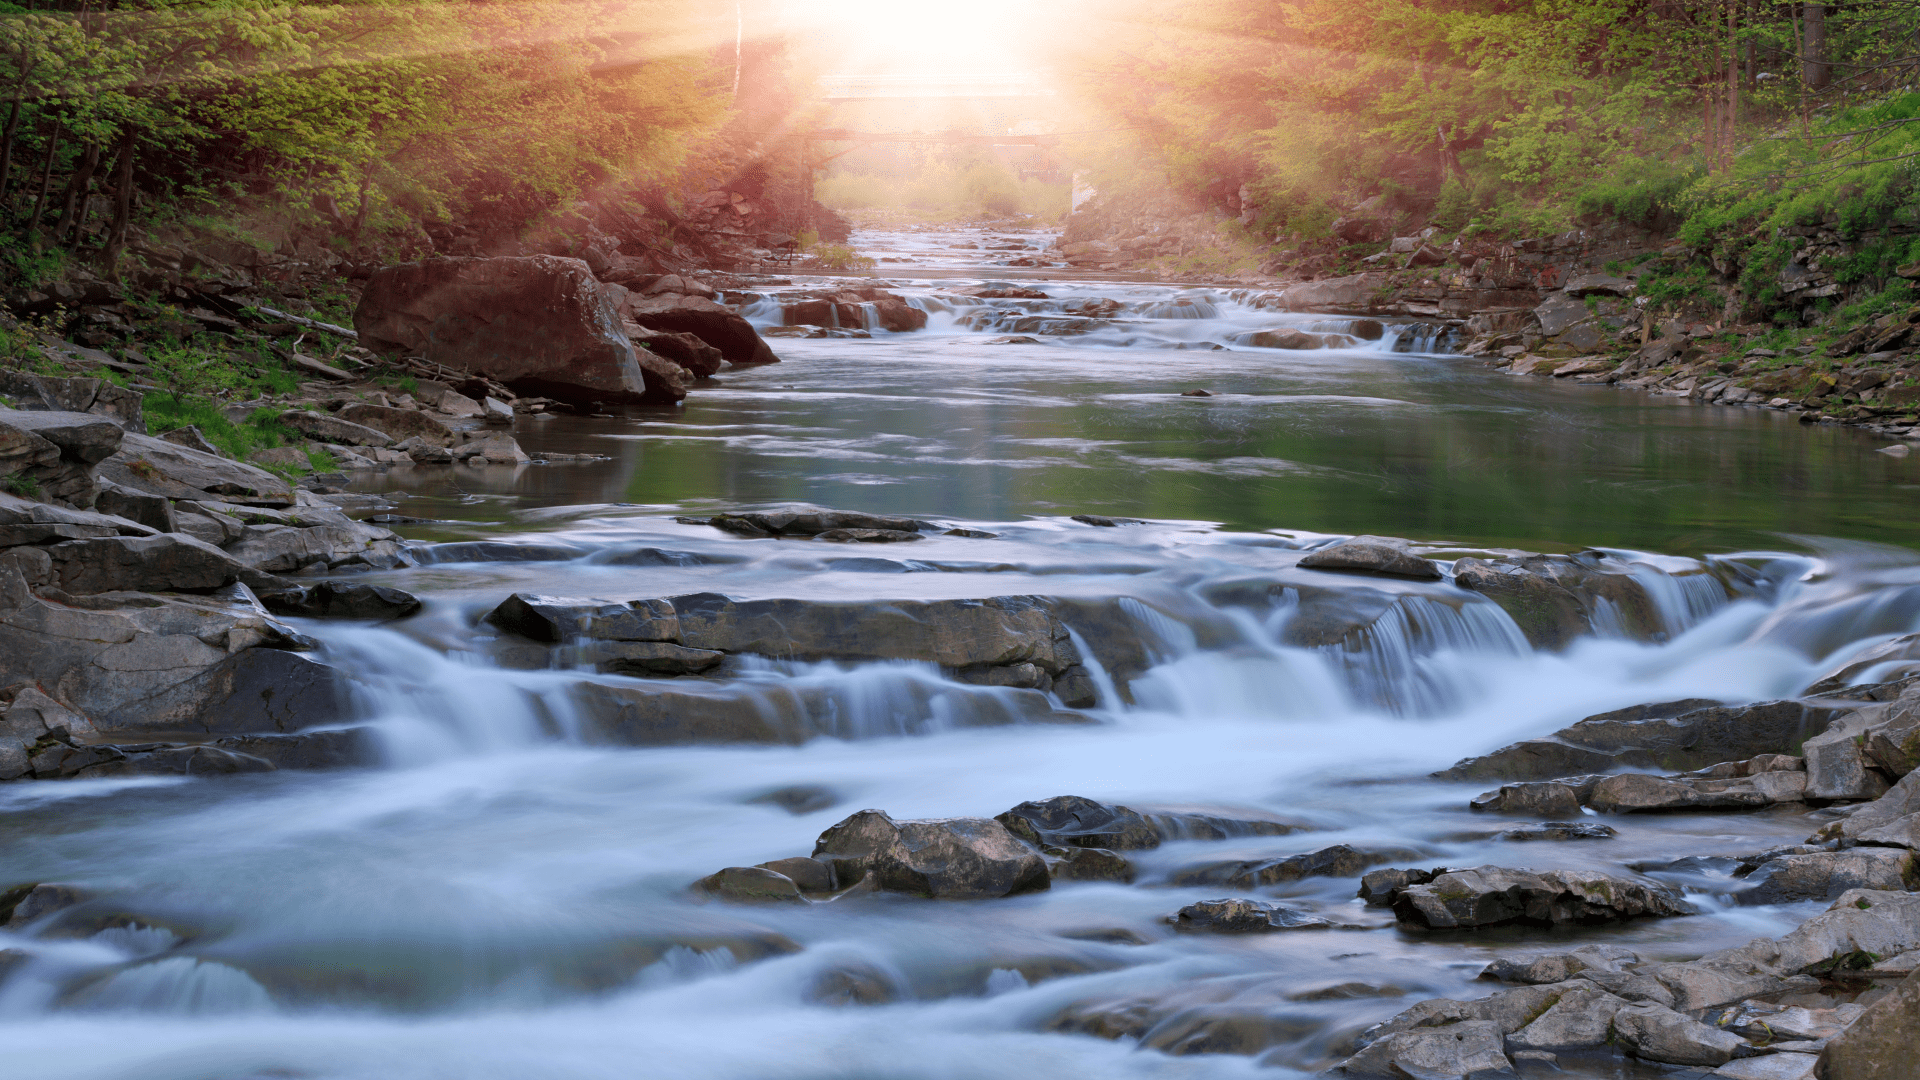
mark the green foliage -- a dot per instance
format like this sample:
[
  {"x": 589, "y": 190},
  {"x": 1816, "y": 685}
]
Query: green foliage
[
  {"x": 261, "y": 430},
  {"x": 839, "y": 257},
  {"x": 20, "y": 484}
]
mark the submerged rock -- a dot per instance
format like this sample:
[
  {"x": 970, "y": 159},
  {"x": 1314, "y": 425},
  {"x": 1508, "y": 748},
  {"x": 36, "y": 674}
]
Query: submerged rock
[
  {"x": 1341, "y": 860},
  {"x": 342, "y": 600},
  {"x": 1245, "y": 917},
  {"x": 809, "y": 522}
]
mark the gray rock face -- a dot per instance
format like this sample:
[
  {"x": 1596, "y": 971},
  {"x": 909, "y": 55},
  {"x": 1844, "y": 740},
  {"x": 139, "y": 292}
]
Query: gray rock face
[
  {"x": 1826, "y": 874},
  {"x": 397, "y": 424},
  {"x": 1672, "y": 736},
  {"x": 1657, "y": 1033},
  {"x": 1581, "y": 1017},
  {"x": 1374, "y": 554},
  {"x": 342, "y": 600},
  {"x": 153, "y": 511},
  {"x": 1881, "y": 1044},
  {"x": 333, "y": 429},
  {"x": 1493, "y": 896},
  {"x": 169, "y": 562},
  {"x": 1532, "y": 799},
  {"x": 1837, "y": 767},
  {"x": 949, "y": 858},
  {"x": 558, "y": 619},
  {"x": 159, "y": 467},
  {"x": 1639, "y": 792},
  {"x": 97, "y": 396},
  {"x": 540, "y": 324},
  {"x": 1472, "y": 1049},
  {"x": 1900, "y": 801},
  {"x": 1073, "y": 821},
  {"x": 1242, "y": 916},
  {"x": 24, "y": 522},
  {"x": 1559, "y": 967},
  {"x": 284, "y": 549},
  {"x": 82, "y": 437}
]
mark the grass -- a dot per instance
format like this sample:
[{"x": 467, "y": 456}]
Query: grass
[
  {"x": 26, "y": 487},
  {"x": 260, "y": 431}
]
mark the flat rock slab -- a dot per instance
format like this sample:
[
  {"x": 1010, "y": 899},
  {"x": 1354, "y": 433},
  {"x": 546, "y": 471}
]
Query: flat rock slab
[
  {"x": 82, "y": 437},
  {"x": 1241, "y": 916},
  {"x": 1494, "y": 896},
  {"x": 159, "y": 467},
  {"x": 333, "y": 429},
  {"x": 1373, "y": 554}
]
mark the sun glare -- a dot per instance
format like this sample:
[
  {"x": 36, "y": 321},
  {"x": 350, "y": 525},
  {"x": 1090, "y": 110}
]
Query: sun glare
[{"x": 908, "y": 37}]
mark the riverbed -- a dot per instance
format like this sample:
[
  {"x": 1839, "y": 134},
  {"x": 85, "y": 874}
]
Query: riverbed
[{"x": 473, "y": 908}]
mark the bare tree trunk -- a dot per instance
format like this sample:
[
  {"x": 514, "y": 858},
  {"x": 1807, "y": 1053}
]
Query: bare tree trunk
[
  {"x": 122, "y": 207},
  {"x": 75, "y": 204},
  {"x": 46, "y": 185},
  {"x": 6, "y": 149},
  {"x": 1733, "y": 78},
  {"x": 1815, "y": 72}
]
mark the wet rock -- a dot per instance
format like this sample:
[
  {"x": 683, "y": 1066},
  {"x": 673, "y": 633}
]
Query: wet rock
[
  {"x": 1537, "y": 799},
  {"x": 852, "y": 985},
  {"x": 26, "y": 903},
  {"x": 161, "y": 468},
  {"x": 1473, "y": 1049},
  {"x": 808, "y": 522},
  {"x": 1880, "y": 1045},
  {"x": 1245, "y": 917},
  {"x": 494, "y": 449},
  {"x": 1284, "y": 338},
  {"x": 712, "y": 323},
  {"x": 1494, "y": 896},
  {"x": 1876, "y": 659},
  {"x": 333, "y": 429},
  {"x": 1656, "y": 1033},
  {"x": 1088, "y": 864},
  {"x": 342, "y": 600},
  {"x": 1073, "y": 821},
  {"x": 1671, "y": 736},
  {"x": 1826, "y": 874},
  {"x": 1557, "y": 598},
  {"x": 1380, "y": 887},
  {"x": 1789, "y": 1066},
  {"x": 749, "y": 885},
  {"x": 1341, "y": 860},
  {"x": 165, "y": 563},
  {"x": 279, "y": 455},
  {"x": 700, "y": 359},
  {"x": 1196, "y": 393},
  {"x": 539, "y": 324},
  {"x": 1558, "y": 830},
  {"x": 811, "y": 875},
  {"x": 558, "y": 619},
  {"x": 647, "y": 658},
  {"x": 867, "y": 536},
  {"x": 284, "y": 550},
  {"x": 1559, "y": 967},
  {"x": 1640, "y": 793},
  {"x": 1376, "y": 554},
  {"x": 950, "y": 858},
  {"x": 1102, "y": 522},
  {"x": 799, "y": 798}
]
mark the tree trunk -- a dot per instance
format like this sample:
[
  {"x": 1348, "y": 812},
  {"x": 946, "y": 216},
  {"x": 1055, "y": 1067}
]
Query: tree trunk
[
  {"x": 46, "y": 185},
  {"x": 6, "y": 149},
  {"x": 1733, "y": 78},
  {"x": 122, "y": 207},
  {"x": 1815, "y": 72},
  {"x": 75, "y": 200}
]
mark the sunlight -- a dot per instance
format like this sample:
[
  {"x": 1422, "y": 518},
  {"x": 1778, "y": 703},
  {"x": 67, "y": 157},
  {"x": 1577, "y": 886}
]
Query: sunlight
[{"x": 917, "y": 37}]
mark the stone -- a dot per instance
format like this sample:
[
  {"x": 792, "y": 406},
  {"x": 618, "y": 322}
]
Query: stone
[
  {"x": 1657, "y": 1033},
  {"x": 1074, "y": 821},
  {"x": 153, "y": 511},
  {"x": 1341, "y": 860},
  {"x": 495, "y": 411},
  {"x": 1900, "y": 832},
  {"x": 1584, "y": 285},
  {"x": 1836, "y": 766},
  {"x": 165, "y": 563},
  {"x": 712, "y": 323},
  {"x": 1902, "y": 799},
  {"x": 1089, "y": 864},
  {"x": 1374, "y": 554},
  {"x": 1881, "y": 1044},
  {"x": 1494, "y": 896},
  {"x": 948, "y": 858},
  {"x": 421, "y": 452},
  {"x": 1283, "y": 338},
  {"x": 1770, "y": 1067},
  {"x": 1893, "y": 746},
  {"x": 560, "y": 619},
  {"x": 1472, "y": 1050},
  {"x": 283, "y": 456},
  {"x": 1244, "y": 917},
  {"x": 1555, "y": 599},
  {"x": 1824, "y": 875},
  {"x": 161, "y": 468},
  {"x": 749, "y": 885},
  {"x": 192, "y": 438},
  {"x": 1639, "y": 792},
  {"x": 647, "y": 658},
  {"x": 1580, "y": 1019},
  {"x": 867, "y": 536},
  {"x": 23, "y": 451},
  {"x": 700, "y": 359},
  {"x": 81, "y": 437},
  {"x": 333, "y": 429},
  {"x": 1559, "y": 967},
  {"x": 1670, "y": 735},
  {"x": 97, "y": 396},
  {"x": 28, "y": 903},
  {"x": 342, "y": 600},
  {"x": 807, "y": 521},
  {"x": 1535, "y": 799},
  {"x": 1901, "y": 653},
  {"x": 283, "y": 549},
  {"x": 539, "y": 324},
  {"x": 1379, "y": 887},
  {"x": 497, "y": 448},
  {"x": 397, "y": 424},
  {"x": 1558, "y": 830}
]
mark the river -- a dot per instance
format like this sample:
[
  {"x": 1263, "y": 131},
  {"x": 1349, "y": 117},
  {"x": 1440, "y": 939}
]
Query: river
[{"x": 491, "y": 902}]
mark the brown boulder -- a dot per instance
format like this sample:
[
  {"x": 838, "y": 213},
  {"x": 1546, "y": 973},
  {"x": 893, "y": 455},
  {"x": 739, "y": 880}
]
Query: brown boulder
[
  {"x": 540, "y": 324},
  {"x": 712, "y": 323},
  {"x": 397, "y": 424}
]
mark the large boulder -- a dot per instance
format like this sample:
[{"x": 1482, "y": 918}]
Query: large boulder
[
  {"x": 1494, "y": 896},
  {"x": 947, "y": 858},
  {"x": 158, "y": 467},
  {"x": 699, "y": 358},
  {"x": 540, "y": 324},
  {"x": 1883, "y": 1043},
  {"x": 715, "y": 324},
  {"x": 1557, "y": 598},
  {"x": 334, "y": 429},
  {"x": 168, "y": 562},
  {"x": 96, "y": 396},
  {"x": 1373, "y": 554}
]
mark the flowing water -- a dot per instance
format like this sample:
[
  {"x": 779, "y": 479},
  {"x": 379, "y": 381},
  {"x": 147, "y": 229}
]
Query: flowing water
[{"x": 504, "y": 899}]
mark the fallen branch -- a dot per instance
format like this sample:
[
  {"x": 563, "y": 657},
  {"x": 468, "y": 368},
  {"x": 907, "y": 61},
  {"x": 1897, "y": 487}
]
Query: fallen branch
[{"x": 310, "y": 323}]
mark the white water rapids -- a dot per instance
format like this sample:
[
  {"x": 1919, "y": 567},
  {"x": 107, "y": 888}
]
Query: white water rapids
[{"x": 503, "y": 899}]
